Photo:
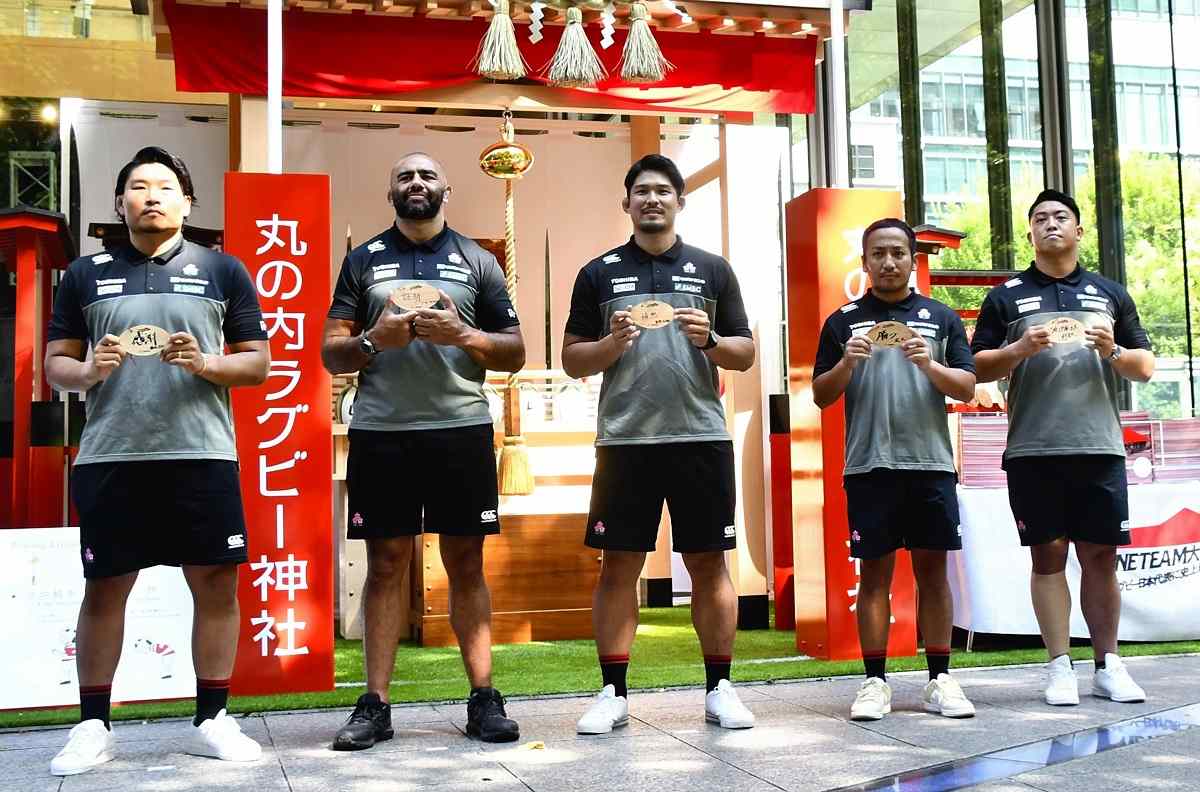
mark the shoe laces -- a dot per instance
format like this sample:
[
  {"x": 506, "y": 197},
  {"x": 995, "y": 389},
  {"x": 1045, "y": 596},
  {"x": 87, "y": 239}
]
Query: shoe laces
[
  {"x": 874, "y": 689},
  {"x": 951, "y": 689},
  {"x": 81, "y": 737},
  {"x": 489, "y": 704},
  {"x": 365, "y": 711},
  {"x": 224, "y": 725}
]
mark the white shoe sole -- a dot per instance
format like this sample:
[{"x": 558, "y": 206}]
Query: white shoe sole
[
  {"x": 107, "y": 756},
  {"x": 886, "y": 711},
  {"x": 1062, "y": 701},
  {"x": 708, "y": 716},
  {"x": 616, "y": 725},
  {"x": 1098, "y": 693},
  {"x": 949, "y": 713},
  {"x": 205, "y": 751}
]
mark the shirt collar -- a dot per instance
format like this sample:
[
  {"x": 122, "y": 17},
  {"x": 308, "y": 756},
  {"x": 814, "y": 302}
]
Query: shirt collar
[
  {"x": 135, "y": 256},
  {"x": 1042, "y": 279},
  {"x": 432, "y": 245},
  {"x": 874, "y": 302},
  {"x": 643, "y": 257}
]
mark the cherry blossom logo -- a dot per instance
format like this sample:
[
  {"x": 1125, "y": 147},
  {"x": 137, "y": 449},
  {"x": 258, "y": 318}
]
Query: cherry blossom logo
[
  {"x": 357, "y": 520},
  {"x": 855, "y": 537},
  {"x": 598, "y": 528},
  {"x": 88, "y": 555},
  {"x": 1020, "y": 525}
]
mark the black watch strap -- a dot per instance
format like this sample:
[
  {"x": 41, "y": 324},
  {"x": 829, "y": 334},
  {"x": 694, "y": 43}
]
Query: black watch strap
[
  {"x": 712, "y": 341},
  {"x": 366, "y": 345}
]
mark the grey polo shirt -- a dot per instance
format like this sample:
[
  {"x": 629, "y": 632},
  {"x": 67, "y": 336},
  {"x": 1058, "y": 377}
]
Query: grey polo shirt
[
  {"x": 1063, "y": 400},
  {"x": 664, "y": 389},
  {"x": 146, "y": 409},
  {"x": 423, "y": 385},
  {"x": 895, "y": 417}
]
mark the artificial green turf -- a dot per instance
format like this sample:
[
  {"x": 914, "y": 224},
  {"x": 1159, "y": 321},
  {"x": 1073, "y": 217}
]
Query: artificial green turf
[{"x": 666, "y": 654}]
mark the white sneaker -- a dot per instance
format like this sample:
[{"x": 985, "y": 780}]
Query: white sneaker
[
  {"x": 89, "y": 744},
  {"x": 945, "y": 697},
  {"x": 723, "y": 707},
  {"x": 1062, "y": 689},
  {"x": 873, "y": 701},
  {"x": 1113, "y": 682},
  {"x": 221, "y": 738},
  {"x": 609, "y": 711}
]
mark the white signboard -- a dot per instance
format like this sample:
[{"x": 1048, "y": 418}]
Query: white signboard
[{"x": 41, "y": 587}]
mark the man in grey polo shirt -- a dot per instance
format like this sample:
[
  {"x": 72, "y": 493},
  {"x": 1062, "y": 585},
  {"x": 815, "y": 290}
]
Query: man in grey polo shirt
[
  {"x": 1064, "y": 336},
  {"x": 156, "y": 479},
  {"x": 899, "y": 473},
  {"x": 421, "y": 447}
]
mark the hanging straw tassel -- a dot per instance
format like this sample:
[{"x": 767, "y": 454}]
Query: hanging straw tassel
[
  {"x": 575, "y": 64},
  {"x": 498, "y": 57},
  {"x": 641, "y": 60},
  {"x": 515, "y": 475}
]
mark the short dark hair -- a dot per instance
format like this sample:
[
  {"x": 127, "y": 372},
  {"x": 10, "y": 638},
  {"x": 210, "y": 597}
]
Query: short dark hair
[
  {"x": 658, "y": 164},
  {"x": 891, "y": 222},
  {"x": 154, "y": 154},
  {"x": 1059, "y": 197}
]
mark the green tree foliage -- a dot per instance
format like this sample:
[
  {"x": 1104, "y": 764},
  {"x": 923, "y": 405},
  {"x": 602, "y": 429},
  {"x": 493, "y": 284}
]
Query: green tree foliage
[{"x": 1153, "y": 246}]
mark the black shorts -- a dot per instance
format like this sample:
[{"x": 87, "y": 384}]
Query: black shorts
[
  {"x": 890, "y": 509},
  {"x": 631, "y": 482},
  {"x": 134, "y": 515},
  {"x": 1083, "y": 497},
  {"x": 438, "y": 480}
]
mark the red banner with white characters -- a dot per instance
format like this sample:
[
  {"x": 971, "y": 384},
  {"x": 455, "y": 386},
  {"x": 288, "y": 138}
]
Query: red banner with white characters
[{"x": 279, "y": 226}]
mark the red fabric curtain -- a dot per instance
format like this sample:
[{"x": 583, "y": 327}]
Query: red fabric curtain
[{"x": 223, "y": 49}]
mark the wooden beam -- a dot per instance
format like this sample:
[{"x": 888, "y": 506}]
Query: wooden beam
[
  {"x": 644, "y": 137},
  {"x": 708, "y": 173}
]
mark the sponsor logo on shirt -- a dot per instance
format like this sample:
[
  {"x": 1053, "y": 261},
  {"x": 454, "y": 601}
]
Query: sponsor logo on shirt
[
  {"x": 109, "y": 286},
  {"x": 376, "y": 247},
  {"x": 1090, "y": 289},
  {"x": 598, "y": 528},
  {"x": 1029, "y": 304},
  {"x": 101, "y": 258},
  {"x": 689, "y": 268},
  {"x": 618, "y": 288},
  {"x": 1014, "y": 282},
  {"x": 855, "y": 536},
  {"x": 512, "y": 314},
  {"x": 454, "y": 258},
  {"x": 690, "y": 288},
  {"x": 454, "y": 275},
  {"x": 191, "y": 270},
  {"x": 848, "y": 308},
  {"x": 235, "y": 541},
  {"x": 88, "y": 555},
  {"x": 958, "y": 529},
  {"x": 923, "y": 313},
  {"x": 384, "y": 271},
  {"x": 1124, "y": 526},
  {"x": 487, "y": 515},
  {"x": 611, "y": 258},
  {"x": 730, "y": 531},
  {"x": 357, "y": 520},
  {"x": 189, "y": 285}
]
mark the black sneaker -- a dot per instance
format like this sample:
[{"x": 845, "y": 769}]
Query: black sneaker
[
  {"x": 370, "y": 723},
  {"x": 486, "y": 718}
]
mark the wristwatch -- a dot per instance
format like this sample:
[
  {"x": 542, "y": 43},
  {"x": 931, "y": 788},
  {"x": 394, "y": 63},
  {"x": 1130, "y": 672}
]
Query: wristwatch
[
  {"x": 1116, "y": 353},
  {"x": 367, "y": 346},
  {"x": 712, "y": 341}
]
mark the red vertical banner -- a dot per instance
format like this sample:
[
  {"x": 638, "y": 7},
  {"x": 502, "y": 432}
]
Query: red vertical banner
[
  {"x": 279, "y": 226},
  {"x": 824, "y": 272}
]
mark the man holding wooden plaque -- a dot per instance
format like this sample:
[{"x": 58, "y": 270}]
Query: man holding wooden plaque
[
  {"x": 1063, "y": 336},
  {"x": 421, "y": 313},
  {"x": 897, "y": 355},
  {"x": 658, "y": 317},
  {"x": 156, "y": 479}
]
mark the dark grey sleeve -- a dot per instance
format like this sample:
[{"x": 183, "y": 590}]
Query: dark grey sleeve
[
  {"x": 731, "y": 311},
  {"x": 493, "y": 308},
  {"x": 66, "y": 320},
  {"x": 990, "y": 327},
  {"x": 585, "y": 319},
  {"x": 347, "y": 295},
  {"x": 830, "y": 349},
  {"x": 1128, "y": 330},
  {"x": 958, "y": 352},
  {"x": 243, "y": 315}
]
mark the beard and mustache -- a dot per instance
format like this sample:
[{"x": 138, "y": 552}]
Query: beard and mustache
[{"x": 409, "y": 209}]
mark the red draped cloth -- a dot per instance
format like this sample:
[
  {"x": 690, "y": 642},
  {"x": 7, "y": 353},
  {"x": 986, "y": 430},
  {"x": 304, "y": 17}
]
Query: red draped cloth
[{"x": 224, "y": 50}]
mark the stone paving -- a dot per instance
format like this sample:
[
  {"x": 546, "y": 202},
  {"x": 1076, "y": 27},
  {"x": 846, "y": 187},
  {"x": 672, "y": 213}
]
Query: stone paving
[{"x": 803, "y": 742}]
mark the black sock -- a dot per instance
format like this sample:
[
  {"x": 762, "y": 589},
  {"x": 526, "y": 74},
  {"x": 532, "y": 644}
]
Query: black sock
[
  {"x": 613, "y": 669},
  {"x": 716, "y": 668},
  {"x": 212, "y": 695},
  {"x": 95, "y": 703},
  {"x": 937, "y": 658},
  {"x": 1100, "y": 665},
  {"x": 875, "y": 663}
]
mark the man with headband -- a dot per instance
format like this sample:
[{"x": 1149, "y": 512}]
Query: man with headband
[
  {"x": 659, "y": 317},
  {"x": 1064, "y": 337},
  {"x": 897, "y": 355}
]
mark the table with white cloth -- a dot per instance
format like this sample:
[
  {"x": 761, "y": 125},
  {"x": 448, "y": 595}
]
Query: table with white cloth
[{"x": 1159, "y": 573}]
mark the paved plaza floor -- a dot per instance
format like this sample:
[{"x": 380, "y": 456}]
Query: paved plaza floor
[{"x": 803, "y": 742}]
